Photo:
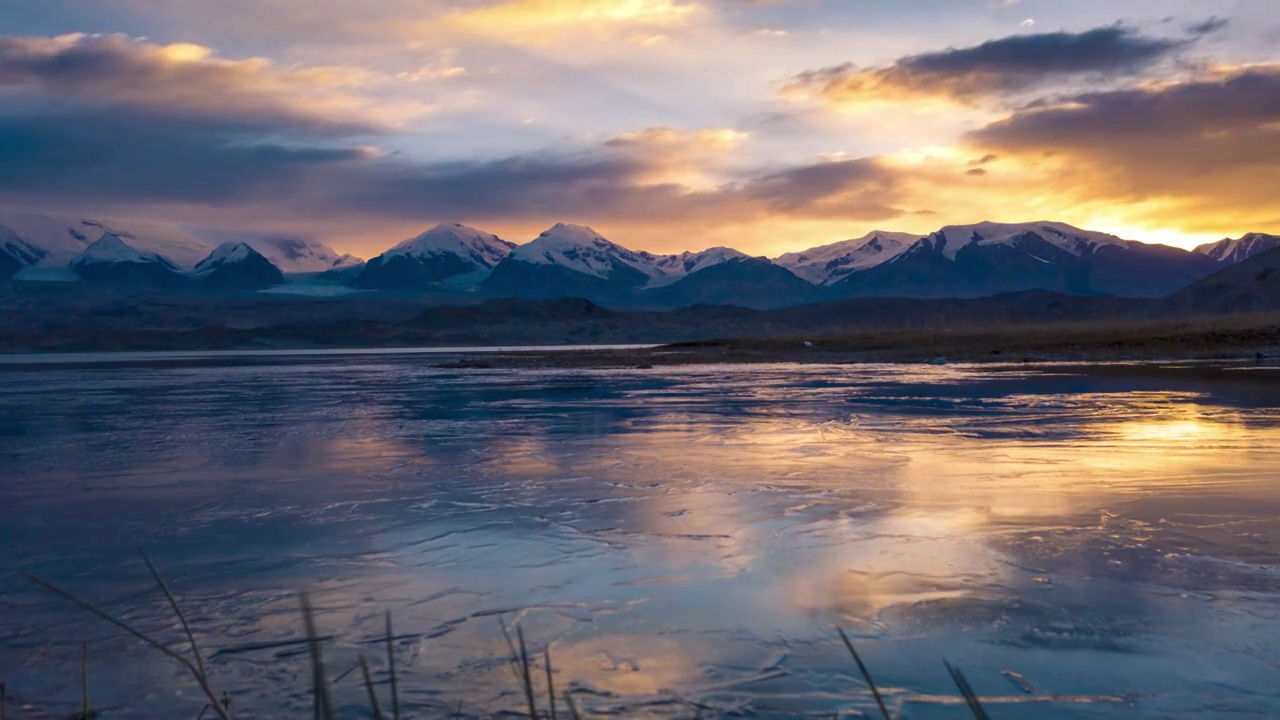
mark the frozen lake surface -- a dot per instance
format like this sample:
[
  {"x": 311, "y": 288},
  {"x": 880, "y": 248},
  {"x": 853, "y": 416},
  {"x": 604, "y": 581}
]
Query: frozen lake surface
[{"x": 678, "y": 536}]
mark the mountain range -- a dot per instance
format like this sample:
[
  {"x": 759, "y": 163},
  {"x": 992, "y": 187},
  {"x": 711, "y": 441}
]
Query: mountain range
[{"x": 452, "y": 260}]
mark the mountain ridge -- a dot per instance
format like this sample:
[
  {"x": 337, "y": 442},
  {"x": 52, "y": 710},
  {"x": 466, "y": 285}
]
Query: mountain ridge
[
  {"x": 956, "y": 261},
  {"x": 1229, "y": 250}
]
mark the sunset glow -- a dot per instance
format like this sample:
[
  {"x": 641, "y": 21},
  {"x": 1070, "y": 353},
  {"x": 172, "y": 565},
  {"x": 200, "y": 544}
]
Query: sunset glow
[{"x": 667, "y": 125}]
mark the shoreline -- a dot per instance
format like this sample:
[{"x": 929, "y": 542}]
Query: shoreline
[
  {"x": 1223, "y": 338},
  {"x": 643, "y": 360}
]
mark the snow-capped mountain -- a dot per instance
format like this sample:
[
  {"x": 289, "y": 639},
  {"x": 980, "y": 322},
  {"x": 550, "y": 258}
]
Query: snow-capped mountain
[
  {"x": 16, "y": 253},
  {"x": 676, "y": 267},
  {"x": 111, "y": 260},
  {"x": 741, "y": 281},
  {"x": 580, "y": 249},
  {"x": 298, "y": 255},
  {"x": 111, "y": 249},
  {"x": 1030, "y": 238},
  {"x": 449, "y": 254},
  {"x": 830, "y": 263},
  {"x": 64, "y": 237},
  {"x": 572, "y": 261},
  {"x": 236, "y": 266},
  {"x": 1249, "y": 286},
  {"x": 993, "y": 258},
  {"x": 1229, "y": 251}
]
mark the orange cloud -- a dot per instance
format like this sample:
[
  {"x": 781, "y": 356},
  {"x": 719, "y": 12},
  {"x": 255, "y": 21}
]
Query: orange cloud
[
  {"x": 1199, "y": 157},
  {"x": 542, "y": 22},
  {"x": 188, "y": 79},
  {"x": 694, "y": 159},
  {"x": 993, "y": 69}
]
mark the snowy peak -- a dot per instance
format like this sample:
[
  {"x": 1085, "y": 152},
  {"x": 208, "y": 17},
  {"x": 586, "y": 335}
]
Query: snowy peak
[
  {"x": 20, "y": 251},
  {"x": 112, "y": 261},
  {"x": 576, "y": 258},
  {"x": 952, "y": 239},
  {"x": 224, "y": 255},
  {"x": 299, "y": 255},
  {"x": 448, "y": 256},
  {"x": 580, "y": 249},
  {"x": 830, "y": 263},
  {"x": 16, "y": 254},
  {"x": 1231, "y": 251},
  {"x": 691, "y": 262},
  {"x": 677, "y": 267},
  {"x": 485, "y": 249},
  {"x": 64, "y": 237},
  {"x": 111, "y": 249},
  {"x": 236, "y": 266}
]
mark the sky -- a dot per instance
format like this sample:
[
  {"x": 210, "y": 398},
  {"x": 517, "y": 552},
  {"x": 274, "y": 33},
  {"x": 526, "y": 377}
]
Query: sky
[{"x": 667, "y": 125}]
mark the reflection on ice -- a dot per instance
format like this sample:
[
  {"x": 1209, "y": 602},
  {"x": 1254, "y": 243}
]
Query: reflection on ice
[{"x": 675, "y": 537}]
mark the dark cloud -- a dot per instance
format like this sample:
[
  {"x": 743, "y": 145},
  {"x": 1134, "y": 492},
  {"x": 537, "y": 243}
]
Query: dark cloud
[
  {"x": 1207, "y": 114},
  {"x": 797, "y": 185},
  {"x": 862, "y": 188},
  {"x": 1206, "y": 27},
  {"x": 996, "y": 67},
  {"x": 514, "y": 187},
  {"x": 1210, "y": 145},
  {"x": 98, "y": 156},
  {"x": 95, "y": 159},
  {"x": 605, "y": 184},
  {"x": 97, "y": 120},
  {"x": 126, "y": 75}
]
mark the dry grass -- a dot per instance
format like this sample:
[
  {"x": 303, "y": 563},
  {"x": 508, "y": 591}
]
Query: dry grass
[{"x": 522, "y": 661}]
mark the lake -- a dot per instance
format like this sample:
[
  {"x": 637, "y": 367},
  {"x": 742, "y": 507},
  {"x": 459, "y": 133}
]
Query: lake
[{"x": 1081, "y": 543}]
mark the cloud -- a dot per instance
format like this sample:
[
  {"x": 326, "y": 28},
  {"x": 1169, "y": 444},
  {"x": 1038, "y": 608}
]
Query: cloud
[
  {"x": 544, "y": 22},
  {"x": 860, "y": 188},
  {"x": 696, "y": 159},
  {"x": 99, "y": 156},
  {"x": 995, "y": 68},
  {"x": 1201, "y": 154},
  {"x": 100, "y": 122},
  {"x": 185, "y": 80},
  {"x": 1209, "y": 26},
  {"x": 619, "y": 180}
]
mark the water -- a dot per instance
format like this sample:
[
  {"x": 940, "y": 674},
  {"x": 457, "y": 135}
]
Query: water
[{"x": 678, "y": 536}]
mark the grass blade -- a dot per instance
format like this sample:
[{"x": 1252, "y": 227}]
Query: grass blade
[
  {"x": 573, "y": 707},
  {"x": 391, "y": 669},
  {"x": 108, "y": 617},
  {"x": 511, "y": 648},
  {"x": 84, "y": 681},
  {"x": 970, "y": 697},
  {"x": 866, "y": 675},
  {"x": 186, "y": 627},
  {"x": 368, "y": 684},
  {"x": 526, "y": 675},
  {"x": 551, "y": 683},
  {"x": 323, "y": 700}
]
